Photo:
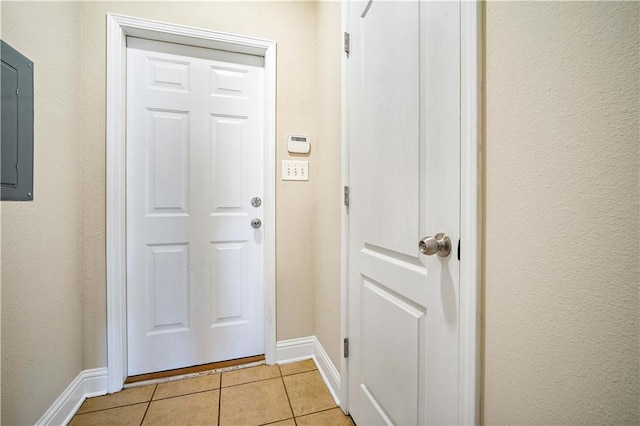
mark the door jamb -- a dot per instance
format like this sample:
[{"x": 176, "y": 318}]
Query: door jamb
[
  {"x": 118, "y": 28},
  {"x": 471, "y": 158},
  {"x": 471, "y": 229},
  {"x": 344, "y": 217}
]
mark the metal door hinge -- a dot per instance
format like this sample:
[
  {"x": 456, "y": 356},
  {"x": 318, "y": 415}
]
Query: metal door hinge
[
  {"x": 346, "y": 43},
  {"x": 346, "y": 347},
  {"x": 346, "y": 196},
  {"x": 458, "y": 249}
]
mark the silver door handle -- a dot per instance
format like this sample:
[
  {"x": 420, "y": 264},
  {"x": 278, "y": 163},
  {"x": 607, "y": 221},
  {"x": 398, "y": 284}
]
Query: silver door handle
[
  {"x": 256, "y": 223},
  {"x": 440, "y": 244}
]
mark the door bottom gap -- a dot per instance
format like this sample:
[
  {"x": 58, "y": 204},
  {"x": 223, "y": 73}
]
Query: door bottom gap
[{"x": 196, "y": 370}]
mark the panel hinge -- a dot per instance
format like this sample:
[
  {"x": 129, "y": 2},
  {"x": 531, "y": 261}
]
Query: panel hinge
[
  {"x": 17, "y": 166},
  {"x": 346, "y": 347},
  {"x": 346, "y": 43},
  {"x": 346, "y": 196},
  {"x": 17, "y": 91},
  {"x": 458, "y": 249}
]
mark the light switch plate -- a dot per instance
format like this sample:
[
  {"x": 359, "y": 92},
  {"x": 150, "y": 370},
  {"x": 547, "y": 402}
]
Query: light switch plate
[{"x": 295, "y": 170}]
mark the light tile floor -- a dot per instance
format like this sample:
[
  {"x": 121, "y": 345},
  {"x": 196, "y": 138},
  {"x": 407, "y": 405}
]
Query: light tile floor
[{"x": 285, "y": 395}]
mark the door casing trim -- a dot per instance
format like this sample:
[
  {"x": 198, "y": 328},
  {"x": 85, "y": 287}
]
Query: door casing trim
[
  {"x": 471, "y": 208},
  {"x": 118, "y": 28}
]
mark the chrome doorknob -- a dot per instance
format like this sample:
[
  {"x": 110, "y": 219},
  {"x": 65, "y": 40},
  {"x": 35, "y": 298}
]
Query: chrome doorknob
[
  {"x": 440, "y": 244},
  {"x": 256, "y": 223}
]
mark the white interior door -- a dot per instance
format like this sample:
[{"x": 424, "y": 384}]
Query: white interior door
[
  {"x": 194, "y": 163},
  {"x": 404, "y": 176}
]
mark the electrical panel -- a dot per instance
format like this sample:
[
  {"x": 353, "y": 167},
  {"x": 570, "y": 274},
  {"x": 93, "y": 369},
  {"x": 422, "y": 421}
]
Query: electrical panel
[{"x": 16, "y": 78}]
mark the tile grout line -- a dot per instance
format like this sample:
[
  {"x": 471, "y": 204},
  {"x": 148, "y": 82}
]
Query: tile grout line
[
  {"x": 186, "y": 394},
  {"x": 278, "y": 421},
  {"x": 286, "y": 392},
  {"x": 219, "y": 399},
  {"x": 111, "y": 408},
  {"x": 319, "y": 411},
  {"x": 252, "y": 381},
  {"x": 148, "y": 404},
  {"x": 300, "y": 372}
]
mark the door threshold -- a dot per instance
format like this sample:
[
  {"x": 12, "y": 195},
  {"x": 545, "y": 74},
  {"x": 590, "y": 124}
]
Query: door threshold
[{"x": 196, "y": 370}]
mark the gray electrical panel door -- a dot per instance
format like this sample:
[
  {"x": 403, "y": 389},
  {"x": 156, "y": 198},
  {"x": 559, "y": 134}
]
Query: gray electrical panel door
[{"x": 16, "y": 107}]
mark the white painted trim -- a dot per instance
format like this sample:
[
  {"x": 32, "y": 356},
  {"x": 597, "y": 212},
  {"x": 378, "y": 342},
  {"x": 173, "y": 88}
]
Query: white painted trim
[
  {"x": 295, "y": 350},
  {"x": 344, "y": 219},
  {"x": 118, "y": 28},
  {"x": 469, "y": 378},
  {"x": 328, "y": 371},
  {"x": 116, "y": 214},
  {"x": 470, "y": 221},
  {"x": 270, "y": 207},
  {"x": 310, "y": 348},
  {"x": 86, "y": 384}
]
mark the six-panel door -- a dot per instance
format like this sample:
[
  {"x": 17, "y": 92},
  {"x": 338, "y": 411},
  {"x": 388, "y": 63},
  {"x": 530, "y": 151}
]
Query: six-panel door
[{"x": 194, "y": 162}]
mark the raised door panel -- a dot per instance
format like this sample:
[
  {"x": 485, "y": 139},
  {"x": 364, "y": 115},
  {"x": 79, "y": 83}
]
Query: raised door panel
[
  {"x": 392, "y": 338},
  {"x": 228, "y": 171},
  {"x": 227, "y": 81},
  {"x": 168, "y": 288},
  {"x": 168, "y": 74},
  {"x": 168, "y": 162},
  {"x": 230, "y": 91},
  {"x": 390, "y": 156},
  {"x": 228, "y": 284}
]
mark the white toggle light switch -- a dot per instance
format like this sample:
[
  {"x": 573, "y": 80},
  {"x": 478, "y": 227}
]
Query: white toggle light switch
[{"x": 295, "y": 170}]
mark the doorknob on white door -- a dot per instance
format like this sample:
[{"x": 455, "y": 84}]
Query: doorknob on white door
[
  {"x": 256, "y": 223},
  {"x": 440, "y": 244}
]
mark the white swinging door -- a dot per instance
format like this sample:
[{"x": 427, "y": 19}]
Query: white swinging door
[
  {"x": 195, "y": 160},
  {"x": 202, "y": 277},
  {"x": 410, "y": 343}
]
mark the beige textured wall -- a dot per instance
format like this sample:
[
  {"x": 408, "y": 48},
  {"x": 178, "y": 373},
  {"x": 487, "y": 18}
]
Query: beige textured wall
[
  {"x": 327, "y": 175},
  {"x": 41, "y": 256},
  {"x": 562, "y": 200},
  {"x": 292, "y": 26},
  {"x": 562, "y": 213}
]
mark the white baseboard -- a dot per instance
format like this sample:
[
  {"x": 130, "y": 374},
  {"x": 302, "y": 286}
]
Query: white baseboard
[
  {"x": 95, "y": 382},
  {"x": 309, "y": 347},
  {"x": 88, "y": 383}
]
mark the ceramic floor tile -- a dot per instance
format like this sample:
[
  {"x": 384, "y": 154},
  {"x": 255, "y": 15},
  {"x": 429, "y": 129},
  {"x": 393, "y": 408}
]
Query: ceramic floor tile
[
  {"x": 333, "y": 417},
  {"x": 308, "y": 393},
  {"x": 129, "y": 415},
  {"x": 288, "y": 422},
  {"x": 125, "y": 397},
  {"x": 247, "y": 375},
  {"x": 298, "y": 367},
  {"x": 187, "y": 386},
  {"x": 254, "y": 403},
  {"x": 195, "y": 409}
]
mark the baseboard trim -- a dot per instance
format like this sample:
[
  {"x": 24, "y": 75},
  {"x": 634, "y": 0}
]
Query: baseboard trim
[
  {"x": 310, "y": 347},
  {"x": 87, "y": 384},
  {"x": 95, "y": 382}
]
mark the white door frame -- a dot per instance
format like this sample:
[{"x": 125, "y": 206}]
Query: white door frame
[
  {"x": 118, "y": 28},
  {"x": 469, "y": 382}
]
